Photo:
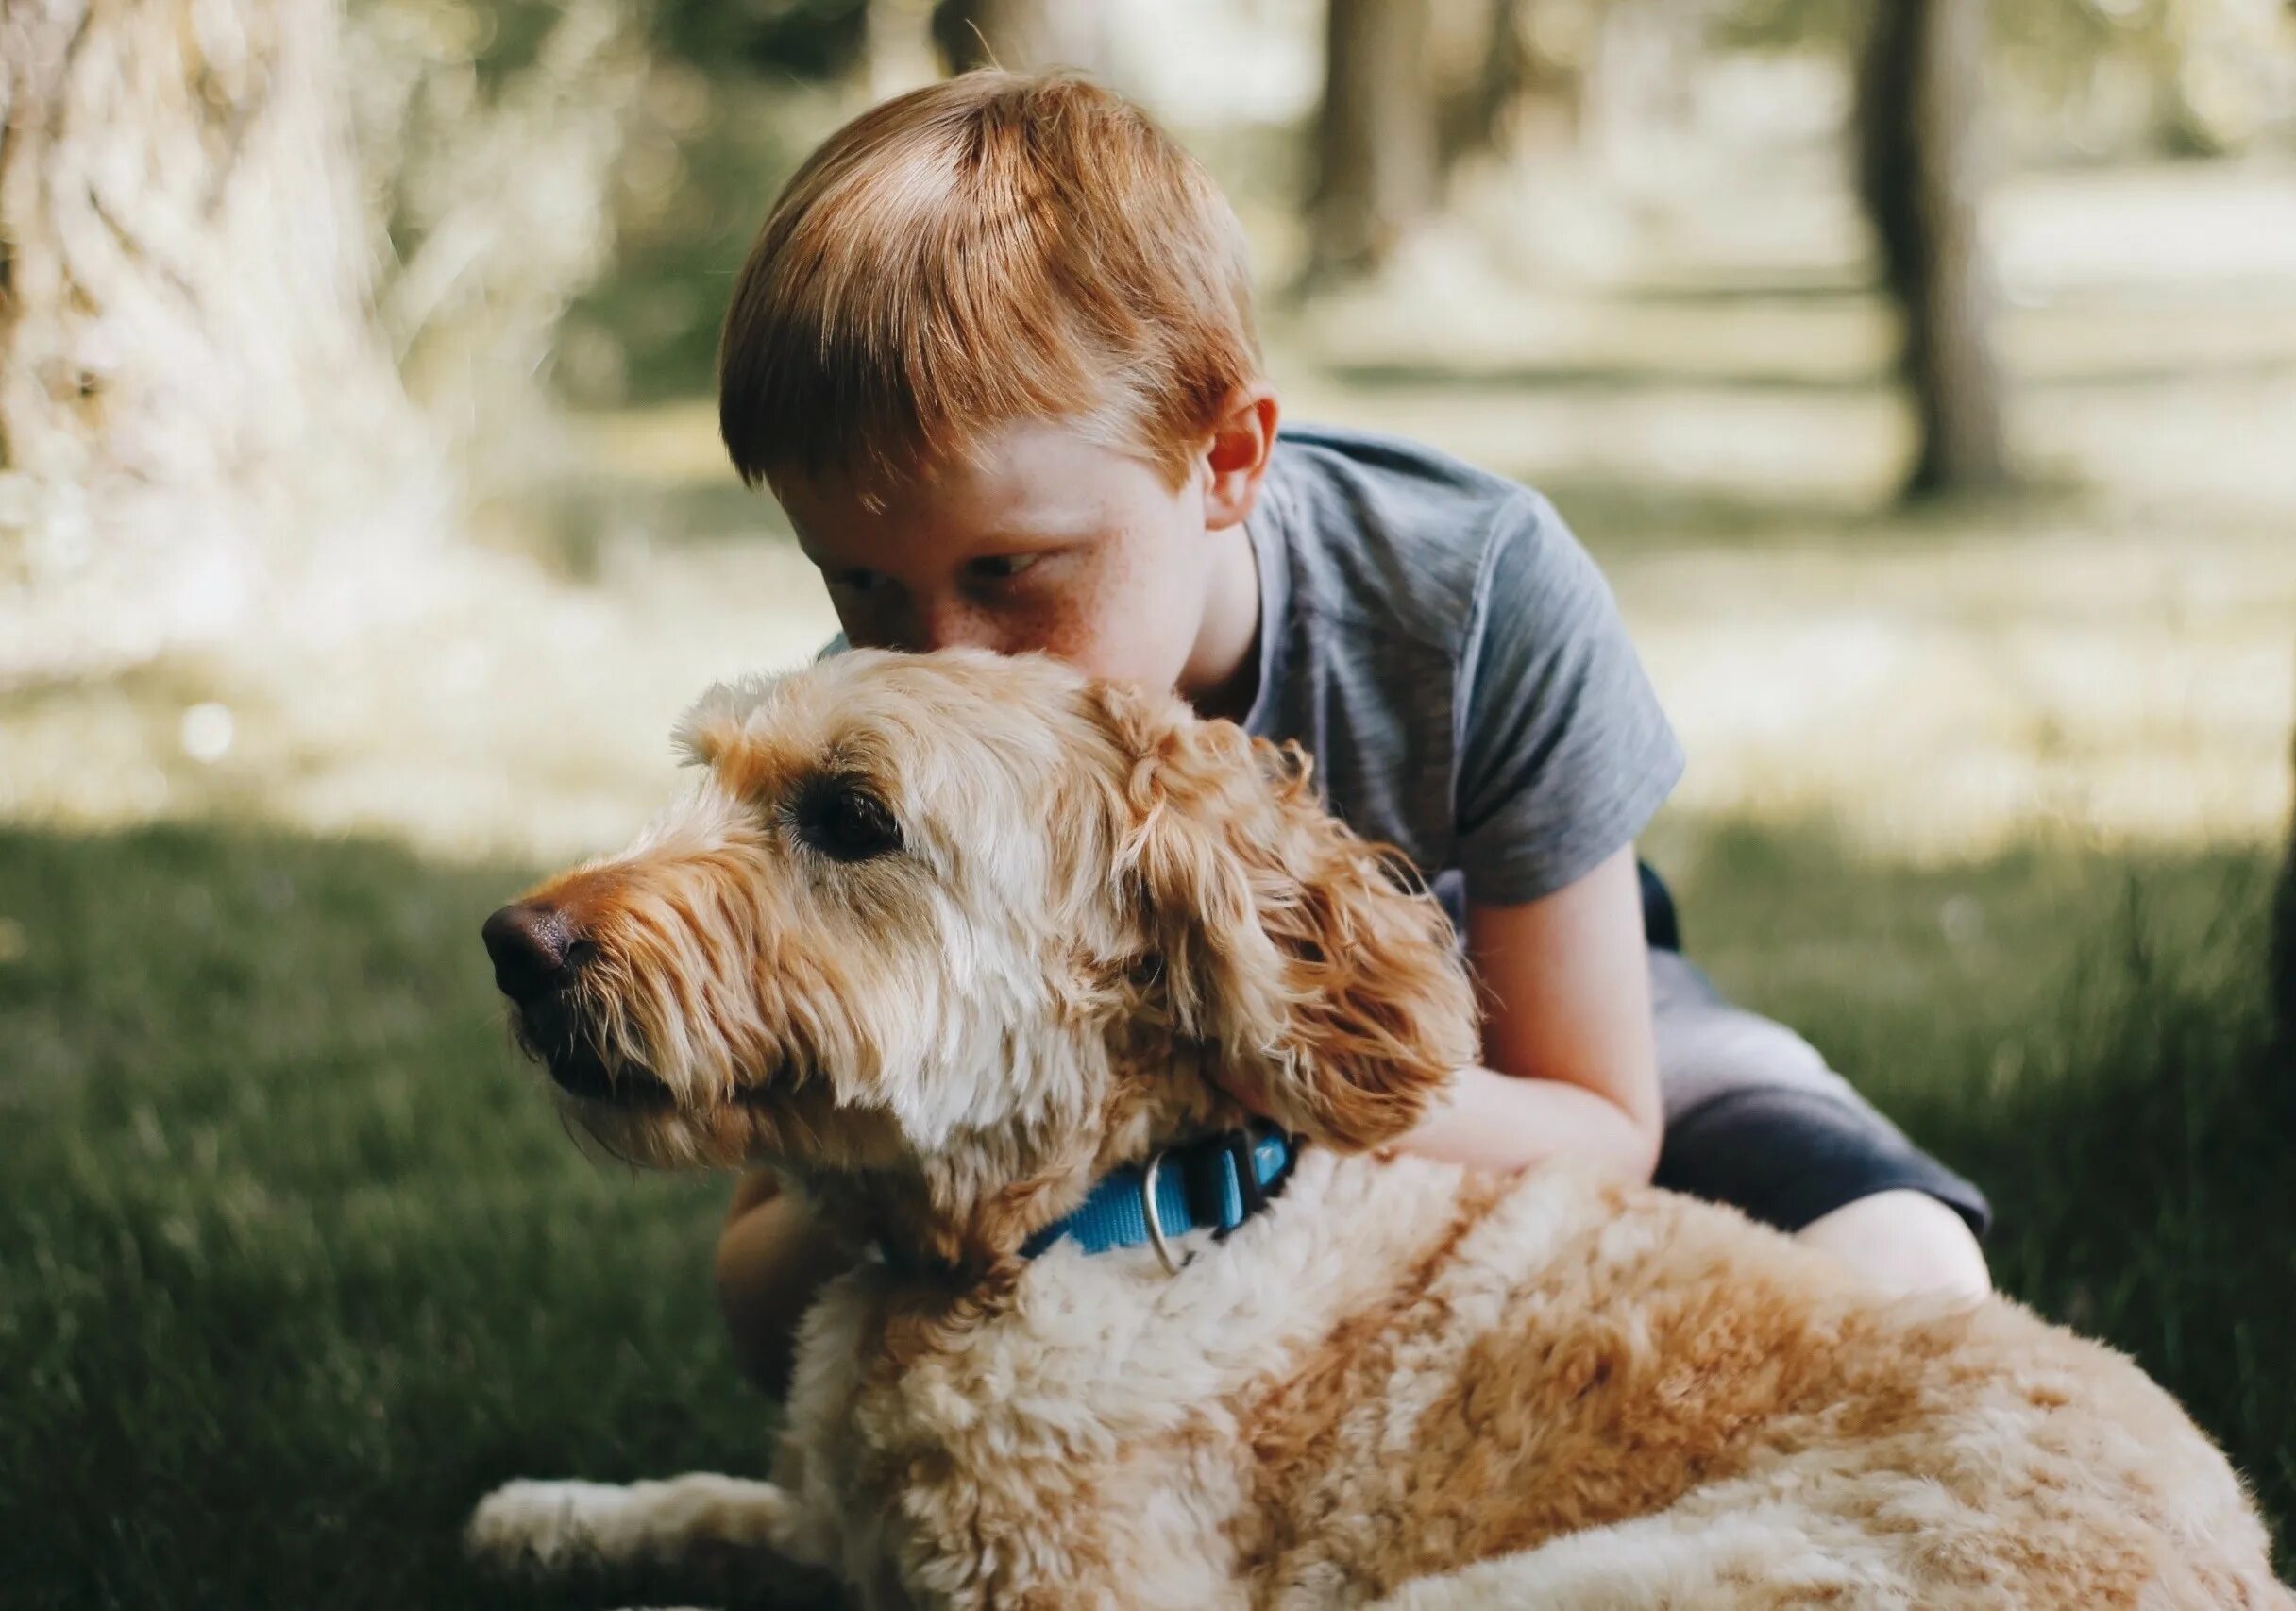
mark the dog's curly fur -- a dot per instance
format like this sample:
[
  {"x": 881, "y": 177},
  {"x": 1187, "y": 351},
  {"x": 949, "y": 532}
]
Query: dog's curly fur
[{"x": 945, "y": 939}]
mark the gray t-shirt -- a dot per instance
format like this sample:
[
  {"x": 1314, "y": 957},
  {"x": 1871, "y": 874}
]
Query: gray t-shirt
[{"x": 1438, "y": 640}]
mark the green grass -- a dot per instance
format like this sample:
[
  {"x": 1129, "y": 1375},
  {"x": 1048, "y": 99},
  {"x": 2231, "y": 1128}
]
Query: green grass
[{"x": 295, "y": 1262}]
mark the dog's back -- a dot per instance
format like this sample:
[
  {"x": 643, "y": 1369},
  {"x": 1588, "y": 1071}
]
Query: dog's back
[
  {"x": 1463, "y": 1392},
  {"x": 1626, "y": 1397}
]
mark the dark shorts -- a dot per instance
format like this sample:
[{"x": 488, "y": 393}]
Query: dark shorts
[{"x": 1755, "y": 1118}]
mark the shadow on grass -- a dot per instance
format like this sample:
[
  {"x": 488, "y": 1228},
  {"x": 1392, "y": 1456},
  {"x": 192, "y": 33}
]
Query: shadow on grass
[{"x": 296, "y": 1262}]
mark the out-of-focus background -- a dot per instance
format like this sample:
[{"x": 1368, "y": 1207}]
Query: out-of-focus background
[{"x": 1922, "y": 372}]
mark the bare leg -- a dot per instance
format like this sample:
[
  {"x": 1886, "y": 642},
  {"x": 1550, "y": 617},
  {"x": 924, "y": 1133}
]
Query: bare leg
[{"x": 1905, "y": 1242}]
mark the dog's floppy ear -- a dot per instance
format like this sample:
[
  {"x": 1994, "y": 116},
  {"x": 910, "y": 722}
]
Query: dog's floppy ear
[{"x": 1334, "y": 996}]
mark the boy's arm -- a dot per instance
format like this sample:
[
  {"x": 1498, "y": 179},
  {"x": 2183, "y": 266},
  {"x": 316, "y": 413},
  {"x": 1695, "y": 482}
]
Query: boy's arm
[
  {"x": 1566, "y": 982},
  {"x": 1564, "y": 756}
]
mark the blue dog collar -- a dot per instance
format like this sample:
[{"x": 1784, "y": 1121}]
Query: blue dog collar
[{"x": 1214, "y": 1183}]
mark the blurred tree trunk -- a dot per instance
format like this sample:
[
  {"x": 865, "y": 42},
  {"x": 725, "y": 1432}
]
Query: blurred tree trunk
[
  {"x": 192, "y": 395},
  {"x": 1508, "y": 73},
  {"x": 1920, "y": 94},
  {"x": 2283, "y": 962},
  {"x": 1480, "y": 66},
  {"x": 1376, "y": 136}
]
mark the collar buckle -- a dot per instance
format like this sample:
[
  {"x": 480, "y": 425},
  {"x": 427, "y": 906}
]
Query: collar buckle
[{"x": 1156, "y": 1221}]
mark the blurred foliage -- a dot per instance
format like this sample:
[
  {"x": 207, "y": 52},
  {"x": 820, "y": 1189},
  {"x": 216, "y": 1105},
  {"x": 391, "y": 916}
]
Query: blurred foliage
[
  {"x": 569, "y": 189},
  {"x": 814, "y": 39},
  {"x": 2194, "y": 77},
  {"x": 489, "y": 135},
  {"x": 705, "y": 157}
]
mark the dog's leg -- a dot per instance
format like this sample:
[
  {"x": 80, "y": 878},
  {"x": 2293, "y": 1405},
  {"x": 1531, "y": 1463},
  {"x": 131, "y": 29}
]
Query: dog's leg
[
  {"x": 555, "y": 1524},
  {"x": 1771, "y": 1560}
]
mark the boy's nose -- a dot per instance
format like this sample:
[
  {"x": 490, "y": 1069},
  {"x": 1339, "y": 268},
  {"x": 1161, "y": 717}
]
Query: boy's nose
[{"x": 952, "y": 624}]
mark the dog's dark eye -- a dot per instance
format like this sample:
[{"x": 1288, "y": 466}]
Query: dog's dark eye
[{"x": 841, "y": 819}]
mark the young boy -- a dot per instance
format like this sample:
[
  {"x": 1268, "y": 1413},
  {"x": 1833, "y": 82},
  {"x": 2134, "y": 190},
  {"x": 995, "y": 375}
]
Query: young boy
[{"x": 993, "y": 351}]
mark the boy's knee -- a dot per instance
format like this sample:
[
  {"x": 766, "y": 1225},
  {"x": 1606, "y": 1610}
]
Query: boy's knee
[
  {"x": 1905, "y": 1242},
  {"x": 772, "y": 1257}
]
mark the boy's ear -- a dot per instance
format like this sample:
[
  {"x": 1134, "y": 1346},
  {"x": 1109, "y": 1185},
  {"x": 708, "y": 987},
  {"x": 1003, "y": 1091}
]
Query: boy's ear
[
  {"x": 1236, "y": 456},
  {"x": 1334, "y": 996}
]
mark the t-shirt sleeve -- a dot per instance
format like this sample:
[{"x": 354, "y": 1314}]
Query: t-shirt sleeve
[{"x": 1565, "y": 754}]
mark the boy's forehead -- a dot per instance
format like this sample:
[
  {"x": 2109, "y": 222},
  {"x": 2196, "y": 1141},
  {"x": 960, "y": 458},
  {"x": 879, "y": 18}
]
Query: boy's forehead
[{"x": 1032, "y": 480}]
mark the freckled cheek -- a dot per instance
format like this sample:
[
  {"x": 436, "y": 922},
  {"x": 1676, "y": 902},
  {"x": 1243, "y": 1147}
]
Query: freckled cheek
[
  {"x": 1112, "y": 623},
  {"x": 1068, "y": 630},
  {"x": 1072, "y": 622}
]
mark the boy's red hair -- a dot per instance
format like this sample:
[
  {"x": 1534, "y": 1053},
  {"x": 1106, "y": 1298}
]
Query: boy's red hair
[{"x": 993, "y": 249}]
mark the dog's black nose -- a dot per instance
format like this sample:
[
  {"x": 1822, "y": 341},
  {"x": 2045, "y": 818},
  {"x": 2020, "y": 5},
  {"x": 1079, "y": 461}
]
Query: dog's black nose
[{"x": 528, "y": 945}]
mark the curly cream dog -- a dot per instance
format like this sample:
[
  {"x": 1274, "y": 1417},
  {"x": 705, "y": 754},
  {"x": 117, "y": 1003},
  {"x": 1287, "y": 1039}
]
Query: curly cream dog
[{"x": 949, "y": 939}]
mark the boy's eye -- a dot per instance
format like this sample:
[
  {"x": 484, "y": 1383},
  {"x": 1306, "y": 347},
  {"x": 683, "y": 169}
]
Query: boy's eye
[
  {"x": 854, "y": 579},
  {"x": 999, "y": 567}
]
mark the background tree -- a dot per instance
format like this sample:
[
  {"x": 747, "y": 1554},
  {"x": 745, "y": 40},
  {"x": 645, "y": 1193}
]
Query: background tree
[
  {"x": 194, "y": 399},
  {"x": 488, "y": 166},
  {"x": 1481, "y": 63},
  {"x": 270, "y": 285},
  {"x": 1920, "y": 96},
  {"x": 1376, "y": 169},
  {"x": 2282, "y": 964}
]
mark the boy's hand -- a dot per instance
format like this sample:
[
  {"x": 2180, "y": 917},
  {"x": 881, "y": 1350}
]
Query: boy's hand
[
  {"x": 1502, "y": 1122},
  {"x": 1567, "y": 979}
]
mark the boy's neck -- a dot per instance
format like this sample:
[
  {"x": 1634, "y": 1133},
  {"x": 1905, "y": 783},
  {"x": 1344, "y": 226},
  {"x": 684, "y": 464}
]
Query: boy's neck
[{"x": 1221, "y": 677}]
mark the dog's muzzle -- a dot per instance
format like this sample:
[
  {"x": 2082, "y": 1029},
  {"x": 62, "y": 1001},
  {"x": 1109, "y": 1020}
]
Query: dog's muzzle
[{"x": 538, "y": 960}]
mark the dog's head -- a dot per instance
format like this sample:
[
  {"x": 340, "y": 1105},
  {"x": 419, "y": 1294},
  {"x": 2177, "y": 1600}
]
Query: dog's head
[{"x": 947, "y": 936}]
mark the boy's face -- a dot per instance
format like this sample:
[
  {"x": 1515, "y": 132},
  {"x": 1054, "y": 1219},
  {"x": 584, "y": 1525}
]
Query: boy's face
[{"x": 1047, "y": 542}]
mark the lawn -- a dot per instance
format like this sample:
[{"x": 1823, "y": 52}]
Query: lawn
[{"x": 296, "y": 1261}]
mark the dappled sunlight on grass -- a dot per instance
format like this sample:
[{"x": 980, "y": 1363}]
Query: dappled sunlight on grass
[
  {"x": 1934, "y": 691},
  {"x": 534, "y": 719}
]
